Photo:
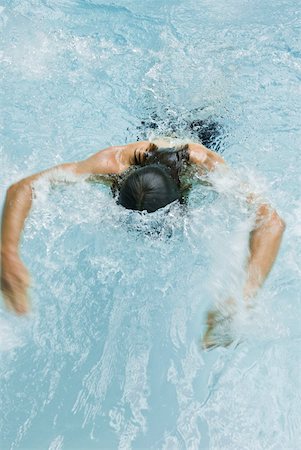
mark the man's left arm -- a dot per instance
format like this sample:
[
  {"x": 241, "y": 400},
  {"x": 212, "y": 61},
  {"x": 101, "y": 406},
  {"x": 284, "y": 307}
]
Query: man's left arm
[
  {"x": 264, "y": 243},
  {"x": 264, "y": 238}
]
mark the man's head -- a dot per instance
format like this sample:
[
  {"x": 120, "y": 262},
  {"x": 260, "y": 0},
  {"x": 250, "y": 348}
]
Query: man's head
[{"x": 148, "y": 188}]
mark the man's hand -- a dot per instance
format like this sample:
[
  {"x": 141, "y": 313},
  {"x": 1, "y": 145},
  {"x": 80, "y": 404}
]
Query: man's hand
[
  {"x": 14, "y": 283},
  {"x": 219, "y": 326}
]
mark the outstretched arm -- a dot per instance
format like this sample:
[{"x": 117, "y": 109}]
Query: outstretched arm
[
  {"x": 264, "y": 239},
  {"x": 14, "y": 275},
  {"x": 264, "y": 243}
]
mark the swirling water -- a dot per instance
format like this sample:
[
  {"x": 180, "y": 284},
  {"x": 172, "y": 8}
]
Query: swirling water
[{"x": 109, "y": 356}]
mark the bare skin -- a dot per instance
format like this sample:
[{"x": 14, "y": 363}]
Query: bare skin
[
  {"x": 264, "y": 243},
  {"x": 14, "y": 275},
  {"x": 264, "y": 240}
]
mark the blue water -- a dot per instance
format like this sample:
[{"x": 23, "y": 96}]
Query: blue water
[{"x": 109, "y": 356}]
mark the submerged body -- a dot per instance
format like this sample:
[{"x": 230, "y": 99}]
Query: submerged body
[{"x": 145, "y": 176}]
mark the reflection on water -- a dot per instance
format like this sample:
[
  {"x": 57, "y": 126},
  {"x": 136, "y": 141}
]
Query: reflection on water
[{"x": 110, "y": 355}]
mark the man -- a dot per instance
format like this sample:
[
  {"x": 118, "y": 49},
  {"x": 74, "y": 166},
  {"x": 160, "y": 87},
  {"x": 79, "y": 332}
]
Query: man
[{"x": 153, "y": 184}]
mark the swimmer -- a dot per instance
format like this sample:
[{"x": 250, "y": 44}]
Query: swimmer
[{"x": 145, "y": 176}]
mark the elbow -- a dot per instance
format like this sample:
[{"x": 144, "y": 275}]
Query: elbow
[
  {"x": 24, "y": 184},
  {"x": 13, "y": 188},
  {"x": 269, "y": 218}
]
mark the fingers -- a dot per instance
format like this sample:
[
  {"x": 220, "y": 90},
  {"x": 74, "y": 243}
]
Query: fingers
[
  {"x": 15, "y": 281},
  {"x": 211, "y": 341},
  {"x": 19, "y": 301},
  {"x": 207, "y": 343},
  {"x": 16, "y": 301}
]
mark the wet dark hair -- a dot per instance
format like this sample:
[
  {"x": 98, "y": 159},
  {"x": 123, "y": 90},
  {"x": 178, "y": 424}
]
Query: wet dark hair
[{"x": 148, "y": 189}]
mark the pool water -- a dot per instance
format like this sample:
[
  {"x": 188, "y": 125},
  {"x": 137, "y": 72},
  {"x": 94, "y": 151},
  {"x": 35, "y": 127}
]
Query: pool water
[{"x": 109, "y": 357}]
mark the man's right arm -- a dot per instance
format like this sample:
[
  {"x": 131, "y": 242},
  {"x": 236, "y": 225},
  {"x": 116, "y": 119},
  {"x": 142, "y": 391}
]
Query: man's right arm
[{"x": 14, "y": 275}]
